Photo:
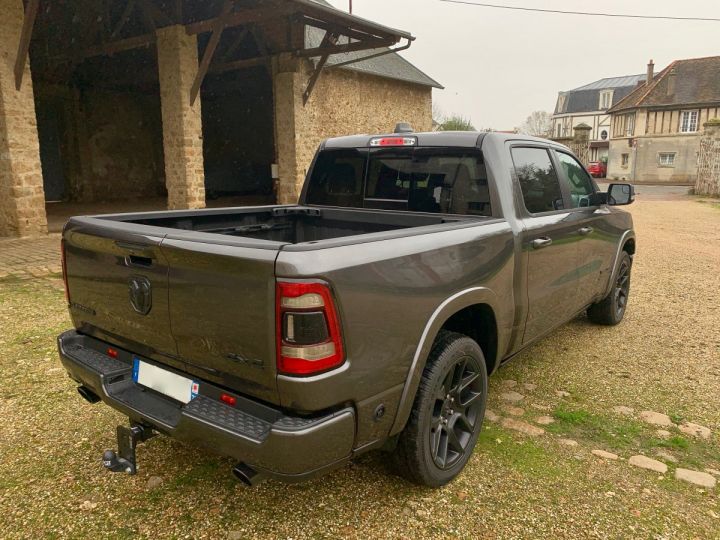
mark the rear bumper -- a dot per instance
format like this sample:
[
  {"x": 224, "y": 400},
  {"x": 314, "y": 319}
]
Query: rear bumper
[{"x": 286, "y": 447}]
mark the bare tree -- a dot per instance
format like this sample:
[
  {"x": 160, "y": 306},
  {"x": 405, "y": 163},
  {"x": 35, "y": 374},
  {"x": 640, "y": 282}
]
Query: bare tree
[{"x": 538, "y": 124}]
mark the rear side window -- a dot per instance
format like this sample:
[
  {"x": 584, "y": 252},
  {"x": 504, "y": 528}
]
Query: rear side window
[
  {"x": 538, "y": 180},
  {"x": 579, "y": 182},
  {"x": 338, "y": 178},
  {"x": 429, "y": 180}
]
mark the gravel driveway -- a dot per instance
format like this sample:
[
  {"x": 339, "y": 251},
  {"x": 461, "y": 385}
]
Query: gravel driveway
[{"x": 583, "y": 388}]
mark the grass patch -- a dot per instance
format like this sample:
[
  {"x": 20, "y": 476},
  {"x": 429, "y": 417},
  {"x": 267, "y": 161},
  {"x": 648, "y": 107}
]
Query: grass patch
[
  {"x": 629, "y": 436},
  {"x": 525, "y": 456},
  {"x": 610, "y": 432},
  {"x": 572, "y": 417},
  {"x": 676, "y": 441}
]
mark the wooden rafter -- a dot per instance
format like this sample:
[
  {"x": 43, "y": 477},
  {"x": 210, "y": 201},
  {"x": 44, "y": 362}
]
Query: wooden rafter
[
  {"x": 24, "y": 45},
  {"x": 124, "y": 18},
  {"x": 158, "y": 15},
  {"x": 328, "y": 41},
  {"x": 237, "y": 65},
  {"x": 339, "y": 29},
  {"x": 240, "y": 18},
  {"x": 108, "y": 49},
  {"x": 354, "y": 46},
  {"x": 227, "y": 54},
  {"x": 210, "y": 49}
]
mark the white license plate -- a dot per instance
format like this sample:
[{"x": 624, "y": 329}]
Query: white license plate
[{"x": 165, "y": 382}]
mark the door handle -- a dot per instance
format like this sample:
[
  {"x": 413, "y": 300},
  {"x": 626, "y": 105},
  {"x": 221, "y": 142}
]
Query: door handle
[
  {"x": 585, "y": 231},
  {"x": 541, "y": 242}
]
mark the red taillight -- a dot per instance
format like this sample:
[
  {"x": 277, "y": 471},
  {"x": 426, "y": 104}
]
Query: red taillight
[
  {"x": 63, "y": 262},
  {"x": 227, "y": 398},
  {"x": 112, "y": 353},
  {"x": 393, "y": 141},
  {"x": 308, "y": 329}
]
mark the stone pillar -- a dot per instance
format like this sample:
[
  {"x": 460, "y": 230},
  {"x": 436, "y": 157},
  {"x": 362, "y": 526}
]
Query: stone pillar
[
  {"x": 708, "y": 163},
  {"x": 182, "y": 123},
  {"x": 22, "y": 198},
  {"x": 581, "y": 133},
  {"x": 287, "y": 93}
]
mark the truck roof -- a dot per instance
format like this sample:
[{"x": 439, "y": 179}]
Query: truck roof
[{"x": 462, "y": 139}]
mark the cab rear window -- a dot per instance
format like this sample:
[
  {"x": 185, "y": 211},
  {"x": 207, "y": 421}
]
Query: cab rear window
[{"x": 419, "y": 179}]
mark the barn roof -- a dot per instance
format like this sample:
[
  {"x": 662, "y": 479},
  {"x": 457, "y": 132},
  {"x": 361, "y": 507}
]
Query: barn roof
[{"x": 391, "y": 65}]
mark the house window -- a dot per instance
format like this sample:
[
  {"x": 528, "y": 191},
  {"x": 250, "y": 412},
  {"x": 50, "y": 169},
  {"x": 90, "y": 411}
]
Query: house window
[
  {"x": 606, "y": 99},
  {"x": 630, "y": 125},
  {"x": 688, "y": 121},
  {"x": 666, "y": 159},
  {"x": 625, "y": 160},
  {"x": 624, "y": 125}
]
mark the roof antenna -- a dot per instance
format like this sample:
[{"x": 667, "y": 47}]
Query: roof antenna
[{"x": 403, "y": 127}]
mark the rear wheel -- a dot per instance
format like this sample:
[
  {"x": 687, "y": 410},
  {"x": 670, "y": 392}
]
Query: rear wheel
[
  {"x": 447, "y": 413},
  {"x": 611, "y": 309}
]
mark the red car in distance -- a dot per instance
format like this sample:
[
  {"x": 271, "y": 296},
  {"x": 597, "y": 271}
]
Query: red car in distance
[{"x": 598, "y": 169}]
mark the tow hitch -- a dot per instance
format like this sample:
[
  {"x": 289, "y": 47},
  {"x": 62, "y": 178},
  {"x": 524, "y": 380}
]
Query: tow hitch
[{"x": 128, "y": 438}]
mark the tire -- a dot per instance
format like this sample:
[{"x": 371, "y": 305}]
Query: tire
[
  {"x": 610, "y": 310},
  {"x": 440, "y": 435}
]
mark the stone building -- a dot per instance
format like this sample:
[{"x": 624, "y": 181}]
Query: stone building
[
  {"x": 186, "y": 99},
  {"x": 656, "y": 129},
  {"x": 588, "y": 105}
]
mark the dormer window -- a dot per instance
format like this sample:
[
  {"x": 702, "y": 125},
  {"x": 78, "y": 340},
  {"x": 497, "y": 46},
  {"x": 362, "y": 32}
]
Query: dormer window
[
  {"x": 605, "y": 99},
  {"x": 561, "y": 103}
]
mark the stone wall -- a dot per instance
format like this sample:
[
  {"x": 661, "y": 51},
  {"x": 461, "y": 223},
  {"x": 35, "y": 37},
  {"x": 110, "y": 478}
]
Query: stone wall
[
  {"x": 343, "y": 102},
  {"x": 644, "y": 166},
  {"x": 22, "y": 199},
  {"x": 110, "y": 142}
]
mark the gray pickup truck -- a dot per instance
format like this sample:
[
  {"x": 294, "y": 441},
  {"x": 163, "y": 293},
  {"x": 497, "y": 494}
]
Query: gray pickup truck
[{"x": 294, "y": 338}]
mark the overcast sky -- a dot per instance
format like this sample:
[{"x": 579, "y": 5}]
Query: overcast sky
[{"x": 498, "y": 66}]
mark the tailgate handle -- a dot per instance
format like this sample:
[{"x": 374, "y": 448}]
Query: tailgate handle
[
  {"x": 139, "y": 254},
  {"x": 136, "y": 260}
]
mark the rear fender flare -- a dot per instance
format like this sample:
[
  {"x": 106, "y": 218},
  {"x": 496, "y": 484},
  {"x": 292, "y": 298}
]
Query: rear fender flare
[
  {"x": 457, "y": 302},
  {"x": 627, "y": 235}
]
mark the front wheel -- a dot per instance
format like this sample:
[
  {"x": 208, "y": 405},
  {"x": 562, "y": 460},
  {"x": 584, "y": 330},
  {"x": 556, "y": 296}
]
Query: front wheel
[
  {"x": 447, "y": 414},
  {"x": 611, "y": 309}
]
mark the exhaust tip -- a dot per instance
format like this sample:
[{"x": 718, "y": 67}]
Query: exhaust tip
[
  {"x": 88, "y": 395},
  {"x": 247, "y": 475}
]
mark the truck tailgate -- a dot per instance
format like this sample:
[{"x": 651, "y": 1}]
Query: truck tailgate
[
  {"x": 222, "y": 313},
  {"x": 118, "y": 288}
]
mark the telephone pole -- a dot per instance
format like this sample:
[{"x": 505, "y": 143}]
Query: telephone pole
[{"x": 351, "y": 7}]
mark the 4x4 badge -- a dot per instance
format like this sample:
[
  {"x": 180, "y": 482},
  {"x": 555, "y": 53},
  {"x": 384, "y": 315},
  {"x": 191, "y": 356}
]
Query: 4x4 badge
[{"x": 140, "y": 292}]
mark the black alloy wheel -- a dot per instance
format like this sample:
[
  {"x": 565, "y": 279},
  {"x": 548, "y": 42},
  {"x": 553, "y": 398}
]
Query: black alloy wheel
[{"x": 455, "y": 412}]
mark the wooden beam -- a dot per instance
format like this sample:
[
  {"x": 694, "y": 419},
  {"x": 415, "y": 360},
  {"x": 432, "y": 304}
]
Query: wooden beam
[
  {"x": 148, "y": 19},
  {"x": 123, "y": 18},
  {"x": 237, "y": 65},
  {"x": 347, "y": 47},
  {"x": 210, "y": 50},
  {"x": 233, "y": 47},
  {"x": 108, "y": 49},
  {"x": 339, "y": 29},
  {"x": 160, "y": 17},
  {"x": 329, "y": 39},
  {"x": 24, "y": 45},
  {"x": 240, "y": 18}
]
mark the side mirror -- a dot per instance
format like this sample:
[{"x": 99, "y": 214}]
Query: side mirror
[{"x": 620, "y": 194}]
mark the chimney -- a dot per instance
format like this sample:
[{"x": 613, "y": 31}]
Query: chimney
[
  {"x": 671, "y": 82},
  {"x": 650, "y": 72}
]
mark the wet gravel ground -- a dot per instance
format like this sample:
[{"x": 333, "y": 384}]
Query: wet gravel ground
[{"x": 664, "y": 357}]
